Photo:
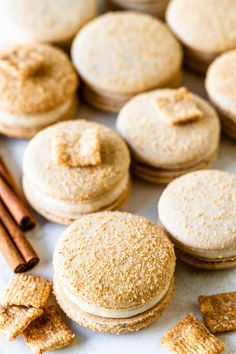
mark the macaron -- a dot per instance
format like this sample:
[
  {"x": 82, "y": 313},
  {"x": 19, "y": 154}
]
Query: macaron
[
  {"x": 152, "y": 7},
  {"x": 207, "y": 28},
  {"x": 74, "y": 168},
  {"x": 37, "y": 88},
  {"x": 120, "y": 54},
  {"x": 221, "y": 88},
  {"x": 114, "y": 272},
  {"x": 50, "y": 21},
  {"x": 198, "y": 213},
  {"x": 170, "y": 132}
]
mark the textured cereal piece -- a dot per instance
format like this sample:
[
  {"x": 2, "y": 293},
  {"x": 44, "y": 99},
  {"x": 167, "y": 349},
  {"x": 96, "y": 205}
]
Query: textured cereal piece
[
  {"x": 219, "y": 312},
  {"x": 177, "y": 107},
  {"x": 21, "y": 62},
  {"x": 191, "y": 336},
  {"x": 48, "y": 332},
  {"x": 27, "y": 290},
  {"x": 15, "y": 319},
  {"x": 77, "y": 150}
]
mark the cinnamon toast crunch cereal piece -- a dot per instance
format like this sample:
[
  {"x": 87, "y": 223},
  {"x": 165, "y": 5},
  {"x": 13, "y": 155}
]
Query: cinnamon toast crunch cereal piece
[
  {"x": 77, "y": 150},
  {"x": 191, "y": 336},
  {"x": 178, "y": 108},
  {"x": 15, "y": 319},
  {"x": 22, "y": 62},
  {"x": 48, "y": 332},
  {"x": 219, "y": 312},
  {"x": 27, "y": 290}
]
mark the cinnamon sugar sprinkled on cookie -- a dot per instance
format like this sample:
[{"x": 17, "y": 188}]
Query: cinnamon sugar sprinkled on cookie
[
  {"x": 114, "y": 260},
  {"x": 47, "y": 89},
  {"x": 198, "y": 210},
  {"x": 73, "y": 184}
]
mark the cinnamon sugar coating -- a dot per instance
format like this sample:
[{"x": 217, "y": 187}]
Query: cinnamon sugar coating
[
  {"x": 51, "y": 86},
  {"x": 114, "y": 260}
]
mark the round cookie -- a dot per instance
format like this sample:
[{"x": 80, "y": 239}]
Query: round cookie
[
  {"x": 74, "y": 168},
  {"x": 51, "y": 21},
  {"x": 152, "y": 7},
  {"x": 221, "y": 88},
  {"x": 198, "y": 213},
  {"x": 207, "y": 28},
  {"x": 37, "y": 88},
  {"x": 121, "y": 54},
  {"x": 114, "y": 272},
  {"x": 160, "y": 149}
]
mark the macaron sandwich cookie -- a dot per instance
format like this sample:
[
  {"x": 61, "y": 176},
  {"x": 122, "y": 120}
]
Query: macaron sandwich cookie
[
  {"x": 207, "y": 28},
  {"x": 50, "y": 21},
  {"x": 37, "y": 88},
  {"x": 152, "y": 7},
  {"x": 221, "y": 89},
  {"x": 120, "y": 54},
  {"x": 198, "y": 213},
  {"x": 114, "y": 272},
  {"x": 170, "y": 132},
  {"x": 74, "y": 168}
]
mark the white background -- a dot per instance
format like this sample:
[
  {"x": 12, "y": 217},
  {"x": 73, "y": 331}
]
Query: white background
[{"x": 190, "y": 282}]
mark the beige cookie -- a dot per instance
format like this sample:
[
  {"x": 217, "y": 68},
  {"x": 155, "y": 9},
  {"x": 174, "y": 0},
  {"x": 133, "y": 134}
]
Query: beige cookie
[
  {"x": 124, "y": 266},
  {"x": 207, "y": 28},
  {"x": 37, "y": 88},
  {"x": 170, "y": 133},
  {"x": 74, "y": 168},
  {"x": 121, "y": 54},
  {"x": 198, "y": 213},
  {"x": 51, "y": 21},
  {"x": 221, "y": 88}
]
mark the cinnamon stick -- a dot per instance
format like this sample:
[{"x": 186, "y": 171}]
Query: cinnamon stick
[
  {"x": 16, "y": 206},
  {"x": 21, "y": 242},
  {"x": 5, "y": 173},
  {"x": 10, "y": 252}
]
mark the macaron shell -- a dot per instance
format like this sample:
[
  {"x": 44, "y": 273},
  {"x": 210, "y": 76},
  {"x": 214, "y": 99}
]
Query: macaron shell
[
  {"x": 226, "y": 263},
  {"x": 204, "y": 25},
  {"x": 158, "y": 144},
  {"x": 26, "y": 133},
  {"x": 127, "y": 247},
  {"x": 116, "y": 205},
  {"x": 114, "y": 326},
  {"x": 48, "y": 20},
  {"x": 76, "y": 184},
  {"x": 198, "y": 211},
  {"x": 221, "y": 84},
  {"x": 55, "y": 82},
  {"x": 126, "y": 52}
]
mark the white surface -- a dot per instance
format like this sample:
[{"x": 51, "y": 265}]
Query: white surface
[{"x": 189, "y": 282}]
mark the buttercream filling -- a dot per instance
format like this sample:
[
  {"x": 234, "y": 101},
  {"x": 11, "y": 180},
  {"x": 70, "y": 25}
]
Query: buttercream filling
[
  {"x": 70, "y": 209},
  {"x": 35, "y": 120},
  {"x": 203, "y": 254},
  {"x": 103, "y": 312}
]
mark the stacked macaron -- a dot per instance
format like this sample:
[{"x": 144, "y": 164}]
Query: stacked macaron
[
  {"x": 51, "y": 21},
  {"x": 37, "y": 88},
  {"x": 207, "y": 28},
  {"x": 221, "y": 88},
  {"x": 121, "y": 54},
  {"x": 114, "y": 272},
  {"x": 170, "y": 133},
  {"x": 152, "y": 7},
  {"x": 198, "y": 213},
  {"x": 74, "y": 168}
]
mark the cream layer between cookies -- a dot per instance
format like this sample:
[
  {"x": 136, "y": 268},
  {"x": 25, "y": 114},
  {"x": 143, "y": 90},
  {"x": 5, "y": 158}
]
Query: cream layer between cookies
[
  {"x": 35, "y": 120},
  {"x": 103, "y": 312},
  {"x": 74, "y": 209},
  {"x": 203, "y": 254}
]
